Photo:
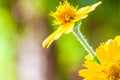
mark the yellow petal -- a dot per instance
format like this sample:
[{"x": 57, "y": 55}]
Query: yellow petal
[
  {"x": 92, "y": 65},
  {"x": 69, "y": 27},
  {"x": 94, "y": 77},
  {"x": 117, "y": 39},
  {"x": 101, "y": 55},
  {"x": 93, "y": 69},
  {"x": 55, "y": 35},
  {"x": 107, "y": 52},
  {"x": 92, "y": 7},
  {"x": 85, "y": 72},
  {"x": 82, "y": 12},
  {"x": 88, "y": 57},
  {"x": 91, "y": 74},
  {"x": 113, "y": 50}
]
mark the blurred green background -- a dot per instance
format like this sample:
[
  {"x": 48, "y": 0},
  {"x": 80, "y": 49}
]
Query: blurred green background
[{"x": 29, "y": 21}]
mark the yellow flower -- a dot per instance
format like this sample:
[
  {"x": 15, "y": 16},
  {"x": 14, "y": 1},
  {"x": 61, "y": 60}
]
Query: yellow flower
[
  {"x": 108, "y": 54},
  {"x": 65, "y": 16}
]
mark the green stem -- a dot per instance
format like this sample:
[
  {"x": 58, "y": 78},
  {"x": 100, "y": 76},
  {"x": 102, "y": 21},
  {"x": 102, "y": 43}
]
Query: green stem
[{"x": 83, "y": 41}]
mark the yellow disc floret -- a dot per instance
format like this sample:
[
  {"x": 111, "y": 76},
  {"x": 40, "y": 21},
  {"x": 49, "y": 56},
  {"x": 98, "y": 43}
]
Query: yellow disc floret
[{"x": 65, "y": 13}]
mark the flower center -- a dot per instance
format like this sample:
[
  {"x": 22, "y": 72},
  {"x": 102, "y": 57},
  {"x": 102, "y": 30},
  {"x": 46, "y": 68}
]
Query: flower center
[
  {"x": 65, "y": 16},
  {"x": 113, "y": 71}
]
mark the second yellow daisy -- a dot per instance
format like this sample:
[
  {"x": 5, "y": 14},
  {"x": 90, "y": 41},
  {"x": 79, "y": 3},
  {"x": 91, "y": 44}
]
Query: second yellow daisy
[{"x": 109, "y": 68}]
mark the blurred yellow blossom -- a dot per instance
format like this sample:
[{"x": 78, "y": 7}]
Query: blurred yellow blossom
[
  {"x": 66, "y": 16},
  {"x": 108, "y": 54}
]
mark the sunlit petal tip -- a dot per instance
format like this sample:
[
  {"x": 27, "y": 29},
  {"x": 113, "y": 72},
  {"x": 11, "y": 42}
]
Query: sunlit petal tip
[
  {"x": 45, "y": 43},
  {"x": 96, "y": 4},
  {"x": 108, "y": 42},
  {"x": 49, "y": 44},
  {"x": 99, "y": 2},
  {"x": 48, "y": 40}
]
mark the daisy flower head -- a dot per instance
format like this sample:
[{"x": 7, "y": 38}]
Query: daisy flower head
[
  {"x": 66, "y": 16},
  {"x": 108, "y": 54}
]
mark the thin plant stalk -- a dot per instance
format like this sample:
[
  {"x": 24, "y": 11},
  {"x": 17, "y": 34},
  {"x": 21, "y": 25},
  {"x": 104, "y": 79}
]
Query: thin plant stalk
[{"x": 76, "y": 31}]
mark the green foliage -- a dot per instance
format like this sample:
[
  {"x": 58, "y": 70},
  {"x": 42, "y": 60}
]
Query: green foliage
[{"x": 7, "y": 38}]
